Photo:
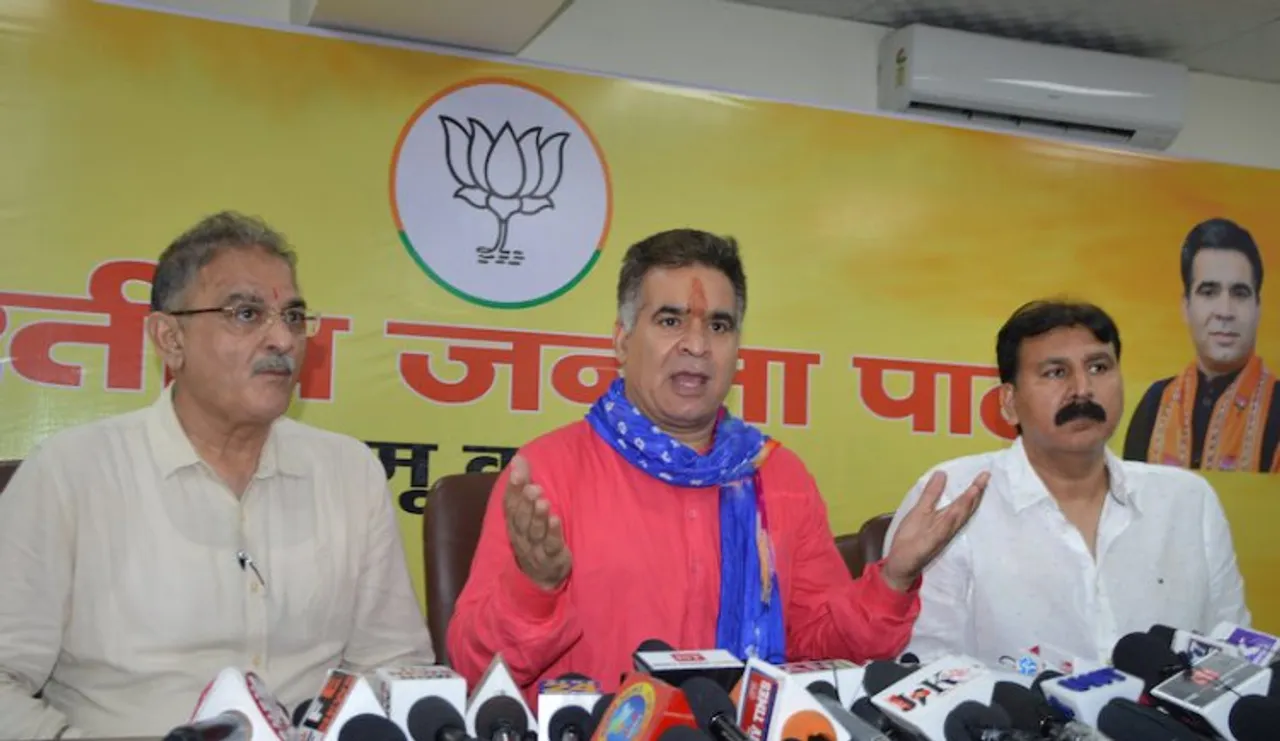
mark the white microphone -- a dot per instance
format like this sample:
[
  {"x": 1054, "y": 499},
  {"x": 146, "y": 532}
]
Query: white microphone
[
  {"x": 775, "y": 706},
  {"x": 1211, "y": 688},
  {"x": 1082, "y": 697},
  {"x": 238, "y": 703},
  {"x": 401, "y": 689},
  {"x": 922, "y": 701},
  {"x": 674, "y": 667},
  {"x": 565, "y": 707},
  {"x": 828, "y": 676},
  {"x": 347, "y": 708},
  {"x": 496, "y": 710},
  {"x": 1254, "y": 645}
]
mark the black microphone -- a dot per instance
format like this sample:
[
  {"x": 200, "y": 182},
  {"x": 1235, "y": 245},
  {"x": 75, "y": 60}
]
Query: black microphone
[
  {"x": 1031, "y": 713},
  {"x": 713, "y": 709},
  {"x": 370, "y": 727},
  {"x": 880, "y": 674},
  {"x": 1255, "y": 718},
  {"x": 1125, "y": 719},
  {"x": 875, "y": 717},
  {"x": 230, "y": 725},
  {"x": 434, "y": 719},
  {"x": 570, "y": 723},
  {"x": 300, "y": 712},
  {"x": 973, "y": 721},
  {"x": 501, "y": 718}
]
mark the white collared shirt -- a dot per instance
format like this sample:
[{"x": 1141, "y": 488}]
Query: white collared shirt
[
  {"x": 120, "y": 583},
  {"x": 1020, "y": 574}
]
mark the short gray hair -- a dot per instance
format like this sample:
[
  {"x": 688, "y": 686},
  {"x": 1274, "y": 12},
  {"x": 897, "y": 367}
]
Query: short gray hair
[
  {"x": 185, "y": 256},
  {"x": 678, "y": 248}
]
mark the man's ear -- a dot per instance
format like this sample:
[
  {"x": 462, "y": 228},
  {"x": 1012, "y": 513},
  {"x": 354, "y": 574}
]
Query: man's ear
[
  {"x": 167, "y": 337},
  {"x": 620, "y": 337},
  {"x": 1007, "y": 409}
]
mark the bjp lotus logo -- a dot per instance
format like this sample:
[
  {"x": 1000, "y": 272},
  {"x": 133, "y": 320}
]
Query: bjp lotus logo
[
  {"x": 500, "y": 193},
  {"x": 504, "y": 175}
]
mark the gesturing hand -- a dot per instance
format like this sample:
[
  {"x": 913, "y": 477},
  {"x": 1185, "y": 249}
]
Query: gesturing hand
[
  {"x": 536, "y": 535},
  {"x": 926, "y": 530}
]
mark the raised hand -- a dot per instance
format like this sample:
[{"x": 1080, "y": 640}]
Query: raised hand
[
  {"x": 536, "y": 535},
  {"x": 926, "y": 530}
]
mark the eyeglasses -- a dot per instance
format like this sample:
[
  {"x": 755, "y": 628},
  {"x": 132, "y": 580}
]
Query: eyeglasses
[{"x": 247, "y": 319}]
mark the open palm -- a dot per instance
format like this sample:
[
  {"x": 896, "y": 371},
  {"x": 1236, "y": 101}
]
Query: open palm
[{"x": 927, "y": 529}]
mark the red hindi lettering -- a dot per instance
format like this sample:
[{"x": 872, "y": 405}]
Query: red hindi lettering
[
  {"x": 123, "y": 336},
  {"x": 316, "y": 381},
  {"x": 753, "y": 378},
  {"x": 520, "y": 351},
  {"x": 920, "y": 404}
]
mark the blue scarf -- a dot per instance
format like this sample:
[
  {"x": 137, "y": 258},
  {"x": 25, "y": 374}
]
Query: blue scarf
[{"x": 750, "y": 619}]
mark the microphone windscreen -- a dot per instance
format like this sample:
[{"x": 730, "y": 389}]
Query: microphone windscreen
[
  {"x": 500, "y": 711},
  {"x": 568, "y": 676},
  {"x": 570, "y": 718},
  {"x": 1145, "y": 657},
  {"x": 430, "y": 715},
  {"x": 300, "y": 712},
  {"x": 597, "y": 713},
  {"x": 1123, "y": 719},
  {"x": 909, "y": 658},
  {"x": 654, "y": 644},
  {"x": 824, "y": 688},
  {"x": 370, "y": 727},
  {"x": 1026, "y": 709},
  {"x": 864, "y": 709},
  {"x": 1043, "y": 677},
  {"x": 970, "y": 720},
  {"x": 1163, "y": 633},
  {"x": 706, "y": 700},
  {"x": 1255, "y": 718},
  {"x": 1274, "y": 689},
  {"x": 880, "y": 674}
]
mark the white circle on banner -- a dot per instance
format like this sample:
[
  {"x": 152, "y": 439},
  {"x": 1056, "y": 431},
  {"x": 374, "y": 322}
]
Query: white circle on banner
[{"x": 500, "y": 193}]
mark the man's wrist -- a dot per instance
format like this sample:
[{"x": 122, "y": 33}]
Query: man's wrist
[{"x": 894, "y": 579}]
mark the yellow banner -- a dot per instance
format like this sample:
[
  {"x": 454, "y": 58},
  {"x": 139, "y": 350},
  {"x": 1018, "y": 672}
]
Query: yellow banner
[{"x": 460, "y": 224}]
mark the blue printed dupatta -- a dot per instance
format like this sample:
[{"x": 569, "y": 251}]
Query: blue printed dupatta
[{"x": 750, "y": 618}]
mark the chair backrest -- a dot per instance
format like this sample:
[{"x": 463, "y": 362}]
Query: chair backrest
[
  {"x": 451, "y": 527},
  {"x": 7, "y": 469},
  {"x": 871, "y": 537},
  {"x": 851, "y": 551}
]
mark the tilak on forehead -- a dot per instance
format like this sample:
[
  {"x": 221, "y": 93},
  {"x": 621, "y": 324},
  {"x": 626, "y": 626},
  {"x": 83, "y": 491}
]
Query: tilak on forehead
[{"x": 698, "y": 300}]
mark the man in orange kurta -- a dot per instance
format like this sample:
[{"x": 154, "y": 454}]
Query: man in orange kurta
[{"x": 1222, "y": 412}]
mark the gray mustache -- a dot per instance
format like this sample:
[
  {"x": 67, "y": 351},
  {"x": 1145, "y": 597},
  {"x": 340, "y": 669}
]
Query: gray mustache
[{"x": 275, "y": 363}]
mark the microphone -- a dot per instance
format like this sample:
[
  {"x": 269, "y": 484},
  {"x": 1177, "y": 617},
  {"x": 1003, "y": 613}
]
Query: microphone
[
  {"x": 1254, "y": 645},
  {"x": 644, "y": 708},
  {"x": 435, "y": 719},
  {"x": 496, "y": 709},
  {"x": 1255, "y": 718},
  {"x": 973, "y": 721},
  {"x": 1127, "y": 720},
  {"x": 713, "y": 709},
  {"x": 1030, "y": 713},
  {"x": 674, "y": 667},
  {"x": 230, "y": 725},
  {"x": 1208, "y": 691},
  {"x": 564, "y": 707},
  {"x": 343, "y": 698},
  {"x": 922, "y": 701},
  {"x": 370, "y": 727},
  {"x": 401, "y": 688},
  {"x": 843, "y": 677},
  {"x": 1082, "y": 697},
  {"x": 237, "y": 702},
  {"x": 1192, "y": 647}
]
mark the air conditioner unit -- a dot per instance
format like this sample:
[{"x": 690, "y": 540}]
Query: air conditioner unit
[{"x": 1008, "y": 85}]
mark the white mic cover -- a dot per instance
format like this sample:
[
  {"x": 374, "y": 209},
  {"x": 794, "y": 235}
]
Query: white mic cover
[
  {"x": 400, "y": 687},
  {"x": 555, "y": 695},
  {"x": 1083, "y": 696},
  {"x": 247, "y": 694},
  {"x": 345, "y": 695},
  {"x": 1256, "y": 646},
  {"x": 1212, "y": 687},
  {"x": 497, "y": 689},
  {"x": 922, "y": 700}
]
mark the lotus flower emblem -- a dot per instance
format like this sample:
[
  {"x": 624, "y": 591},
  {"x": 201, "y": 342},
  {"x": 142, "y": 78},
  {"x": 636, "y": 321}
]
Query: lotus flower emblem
[{"x": 505, "y": 174}]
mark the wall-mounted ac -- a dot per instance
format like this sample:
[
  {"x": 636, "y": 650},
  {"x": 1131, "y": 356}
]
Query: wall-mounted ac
[{"x": 1016, "y": 85}]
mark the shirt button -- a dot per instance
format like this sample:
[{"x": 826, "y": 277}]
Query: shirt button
[
  {"x": 257, "y": 661},
  {"x": 253, "y": 587}
]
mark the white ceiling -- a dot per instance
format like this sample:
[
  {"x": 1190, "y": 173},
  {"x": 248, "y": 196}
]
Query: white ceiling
[{"x": 1233, "y": 38}]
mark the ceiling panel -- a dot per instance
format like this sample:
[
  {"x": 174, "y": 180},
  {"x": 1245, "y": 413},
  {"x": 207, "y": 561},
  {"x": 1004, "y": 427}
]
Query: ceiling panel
[{"x": 1235, "y": 38}]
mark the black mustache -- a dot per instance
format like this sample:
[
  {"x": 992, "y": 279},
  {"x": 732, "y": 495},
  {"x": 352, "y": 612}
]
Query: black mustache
[{"x": 1077, "y": 409}]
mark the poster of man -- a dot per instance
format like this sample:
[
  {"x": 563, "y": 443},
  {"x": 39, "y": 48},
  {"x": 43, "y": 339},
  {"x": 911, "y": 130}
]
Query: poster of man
[{"x": 1222, "y": 411}]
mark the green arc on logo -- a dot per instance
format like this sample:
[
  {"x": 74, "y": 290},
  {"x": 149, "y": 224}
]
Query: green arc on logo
[{"x": 527, "y": 303}]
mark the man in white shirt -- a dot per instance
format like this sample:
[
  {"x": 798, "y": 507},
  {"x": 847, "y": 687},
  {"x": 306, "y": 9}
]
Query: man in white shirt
[
  {"x": 1071, "y": 547},
  {"x": 143, "y": 553}
]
